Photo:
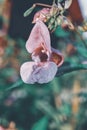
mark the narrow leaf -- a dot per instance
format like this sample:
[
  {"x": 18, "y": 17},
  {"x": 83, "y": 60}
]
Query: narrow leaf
[
  {"x": 68, "y": 67},
  {"x": 41, "y": 124},
  {"x": 48, "y": 110},
  {"x": 27, "y": 12},
  {"x": 17, "y": 84}
]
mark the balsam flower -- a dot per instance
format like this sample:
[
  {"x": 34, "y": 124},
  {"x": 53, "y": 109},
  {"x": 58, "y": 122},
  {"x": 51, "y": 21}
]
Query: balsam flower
[
  {"x": 41, "y": 15},
  {"x": 46, "y": 60},
  {"x": 54, "y": 17}
]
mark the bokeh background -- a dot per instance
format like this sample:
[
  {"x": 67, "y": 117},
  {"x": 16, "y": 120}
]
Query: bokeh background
[{"x": 58, "y": 105}]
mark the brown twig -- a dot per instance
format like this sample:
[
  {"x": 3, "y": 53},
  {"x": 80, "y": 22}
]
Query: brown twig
[{"x": 40, "y": 4}]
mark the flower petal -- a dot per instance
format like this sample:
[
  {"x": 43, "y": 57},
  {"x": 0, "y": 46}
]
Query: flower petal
[
  {"x": 40, "y": 73},
  {"x": 57, "y": 57},
  {"x": 46, "y": 72},
  {"x": 39, "y": 37},
  {"x": 26, "y": 71}
]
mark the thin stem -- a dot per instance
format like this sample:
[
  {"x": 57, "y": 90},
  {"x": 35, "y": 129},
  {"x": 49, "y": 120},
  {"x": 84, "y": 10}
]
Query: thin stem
[
  {"x": 26, "y": 13},
  {"x": 68, "y": 68},
  {"x": 40, "y": 4}
]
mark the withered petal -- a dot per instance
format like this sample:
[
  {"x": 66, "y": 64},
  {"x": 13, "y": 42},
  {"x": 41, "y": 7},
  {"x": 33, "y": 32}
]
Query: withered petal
[{"x": 57, "y": 57}]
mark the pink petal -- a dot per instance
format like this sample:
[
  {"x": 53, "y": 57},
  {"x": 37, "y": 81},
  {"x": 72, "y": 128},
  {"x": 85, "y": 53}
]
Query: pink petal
[
  {"x": 46, "y": 72},
  {"x": 1, "y": 128},
  {"x": 41, "y": 15},
  {"x": 57, "y": 57},
  {"x": 39, "y": 37},
  {"x": 26, "y": 71},
  {"x": 40, "y": 73}
]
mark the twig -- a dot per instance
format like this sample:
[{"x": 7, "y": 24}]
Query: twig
[
  {"x": 40, "y": 4},
  {"x": 68, "y": 68}
]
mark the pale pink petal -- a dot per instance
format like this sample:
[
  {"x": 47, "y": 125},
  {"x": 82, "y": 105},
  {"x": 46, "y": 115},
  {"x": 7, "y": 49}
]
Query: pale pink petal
[
  {"x": 41, "y": 15},
  {"x": 57, "y": 57},
  {"x": 2, "y": 33},
  {"x": 25, "y": 71},
  {"x": 39, "y": 37},
  {"x": 46, "y": 72},
  {"x": 1, "y": 128},
  {"x": 40, "y": 73}
]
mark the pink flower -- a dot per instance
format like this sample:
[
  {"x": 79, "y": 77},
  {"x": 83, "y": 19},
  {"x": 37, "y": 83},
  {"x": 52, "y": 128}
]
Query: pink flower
[
  {"x": 1, "y": 128},
  {"x": 46, "y": 60},
  {"x": 41, "y": 15},
  {"x": 39, "y": 37},
  {"x": 32, "y": 72}
]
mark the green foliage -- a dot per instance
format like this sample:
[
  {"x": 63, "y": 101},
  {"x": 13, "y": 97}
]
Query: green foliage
[
  {"x": 82, "y": 51},
  {"x": 17, "y": 84},
  {"x": 28, "y": 12},
  {"x": 41, "y": 124},
  {"x": 70, "y": 67}
]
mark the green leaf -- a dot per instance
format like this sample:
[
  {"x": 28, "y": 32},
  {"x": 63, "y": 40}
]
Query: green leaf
[
  {"x": 26, "y": 13},
  {"x": 41, "y": 124},
  {"x": 68, "y": 67},
  {"x": 17, "y": 84}
]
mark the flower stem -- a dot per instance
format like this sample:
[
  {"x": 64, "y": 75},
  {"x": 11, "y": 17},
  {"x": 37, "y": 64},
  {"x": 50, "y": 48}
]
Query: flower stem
[{"x": 40, "y": 4}]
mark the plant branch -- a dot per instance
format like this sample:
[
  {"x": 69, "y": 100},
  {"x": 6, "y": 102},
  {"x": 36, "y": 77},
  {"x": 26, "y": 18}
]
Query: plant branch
[
  {"x": 40, "y": 4},
  {"x": 67, "y": 68}
]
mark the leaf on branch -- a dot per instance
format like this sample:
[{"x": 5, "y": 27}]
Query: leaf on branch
[
  {"x": 41, "y": 124},
  {"x": 68, "y": 67},
  {"x": 27, "y": 12},
  {"x": 15, "y": 85}
]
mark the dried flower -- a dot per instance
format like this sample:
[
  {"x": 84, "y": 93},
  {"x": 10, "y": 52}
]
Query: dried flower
[
  {"x": 41, "y": 15},
  {"x": 46, "y": 60}
]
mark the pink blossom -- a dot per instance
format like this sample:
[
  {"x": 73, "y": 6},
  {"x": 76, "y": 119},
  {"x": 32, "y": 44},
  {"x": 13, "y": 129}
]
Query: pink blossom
[
  {"x": 39, "y": 37},
  {"x": 46, "y": 60},
  {"x": 31, "y": 72},
  {"x": 1, "y": 128},
  {"x": 41, "y": 15}
]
